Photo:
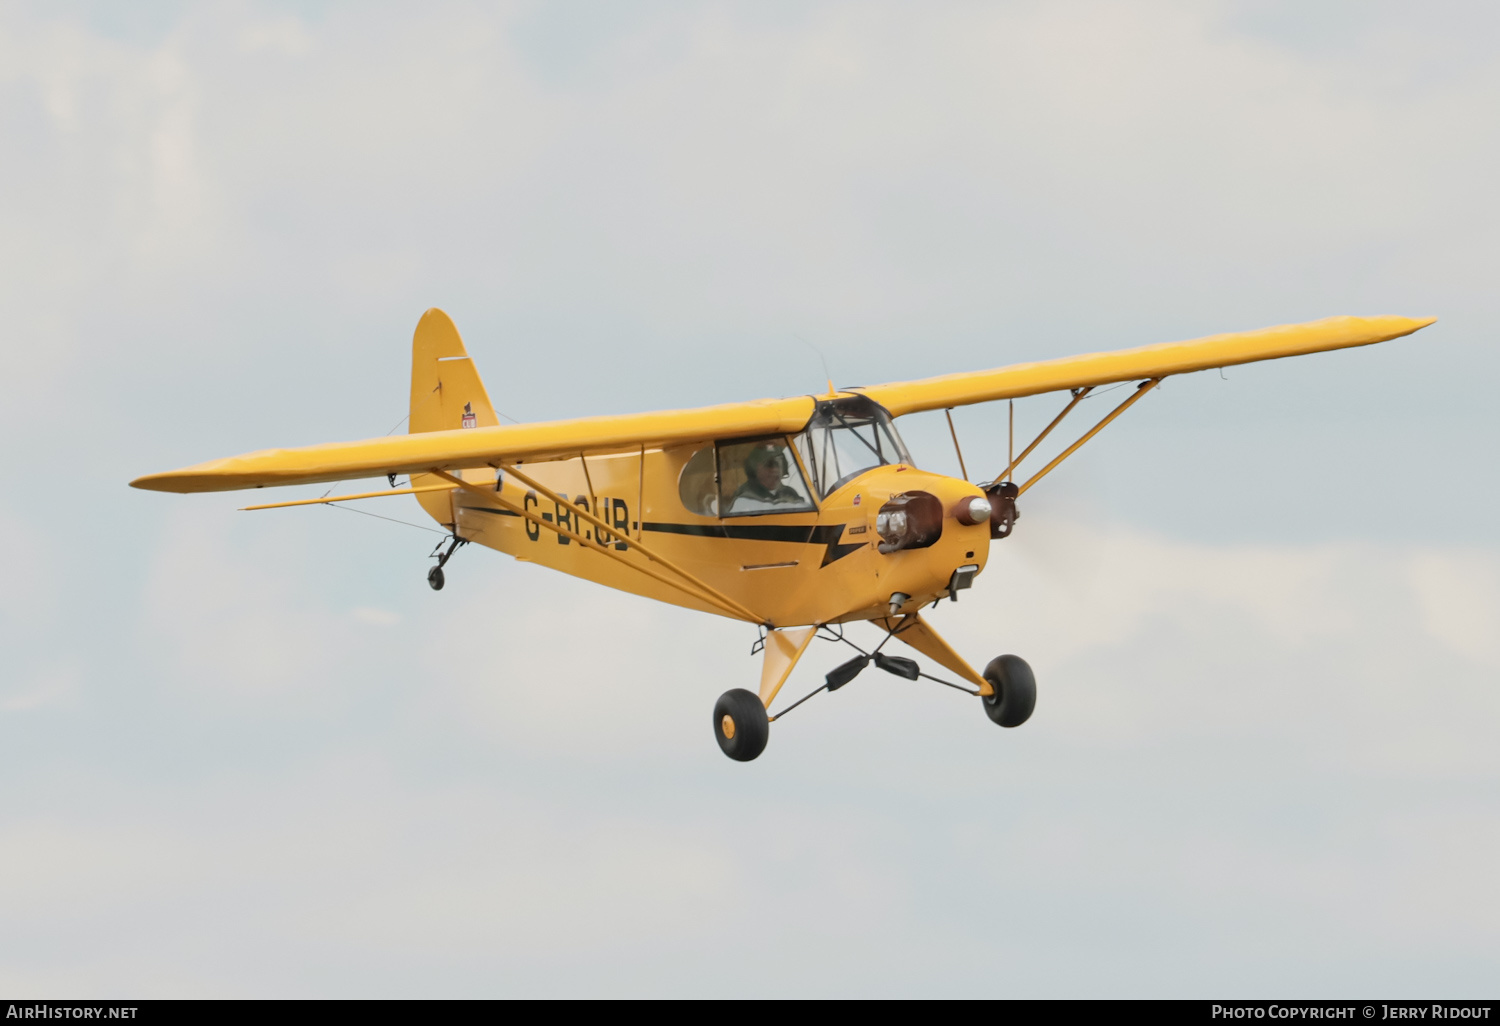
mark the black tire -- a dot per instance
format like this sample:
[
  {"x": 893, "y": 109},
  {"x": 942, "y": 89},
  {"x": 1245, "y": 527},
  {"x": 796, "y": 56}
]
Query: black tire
[
  {"x": 1015, "y": 691},
  {"x": 741, "y": 725},
  {"x": 435, "y": 578}
]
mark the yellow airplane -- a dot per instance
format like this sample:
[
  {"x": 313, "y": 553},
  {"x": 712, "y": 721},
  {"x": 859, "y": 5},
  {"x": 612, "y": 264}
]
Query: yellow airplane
[{"x": 797, "y": 515}]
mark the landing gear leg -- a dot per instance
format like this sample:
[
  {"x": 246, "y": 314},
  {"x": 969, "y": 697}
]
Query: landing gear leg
[{"x": 435, "y": 575}]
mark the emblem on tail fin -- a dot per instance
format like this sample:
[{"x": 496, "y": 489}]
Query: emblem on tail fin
[{"x": 469, "y": 420}]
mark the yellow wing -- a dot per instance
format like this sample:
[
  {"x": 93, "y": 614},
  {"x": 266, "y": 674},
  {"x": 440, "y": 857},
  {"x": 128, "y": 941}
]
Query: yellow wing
[
  {"x": 480, "y": 447},
  {"x": 1156, "y": 361},
  {"x": 461, "y": 449}
]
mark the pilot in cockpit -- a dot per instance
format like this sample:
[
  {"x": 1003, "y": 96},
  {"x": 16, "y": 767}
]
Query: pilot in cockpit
[{"x": 766, "y": 471}]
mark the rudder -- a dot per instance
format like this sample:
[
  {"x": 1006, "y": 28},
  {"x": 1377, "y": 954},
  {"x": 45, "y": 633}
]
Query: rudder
[{"x": 446, "y": 394}]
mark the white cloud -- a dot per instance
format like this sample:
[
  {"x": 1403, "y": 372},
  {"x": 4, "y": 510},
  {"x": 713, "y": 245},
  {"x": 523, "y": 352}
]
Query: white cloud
[
  {"x": 287, "y": 36},
  {"x": 376, "y": 617},
  {"x": 30, "y": 593},
  {"x": 235, "y": 623},
  {"x": 48, "y": 686},
  {"x": 1460, "y": 600}
]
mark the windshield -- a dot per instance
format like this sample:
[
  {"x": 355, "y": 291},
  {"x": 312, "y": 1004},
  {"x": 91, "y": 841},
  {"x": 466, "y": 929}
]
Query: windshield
[{"x": 846, "y": 437}]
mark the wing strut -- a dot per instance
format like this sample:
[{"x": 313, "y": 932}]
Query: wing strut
[
  {"x": 1140, "y": 390},
  {"x": 962, "y": 470},
  {"x": 698, "y": 589},
  {"x": 1078, "y": 396},
  {"x": 521, "y": 511},
  {"x": 722, "y": 599}
]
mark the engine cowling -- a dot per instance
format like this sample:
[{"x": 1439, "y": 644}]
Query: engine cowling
[{"x": 911, "y": 520}]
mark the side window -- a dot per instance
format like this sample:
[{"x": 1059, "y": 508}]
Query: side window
[
  {"x": 698, "y": 486},
  {"x": 760, "y": 477}
]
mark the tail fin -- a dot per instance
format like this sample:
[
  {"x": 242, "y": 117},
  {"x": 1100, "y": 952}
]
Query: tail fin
[{"x": 446, "y": 394}]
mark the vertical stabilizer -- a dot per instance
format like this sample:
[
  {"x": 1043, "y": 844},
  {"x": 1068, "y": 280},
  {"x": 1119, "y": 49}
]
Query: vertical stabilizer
[
  {"x": 446, "y": 392},
  {"x": 446, "y": 395}
]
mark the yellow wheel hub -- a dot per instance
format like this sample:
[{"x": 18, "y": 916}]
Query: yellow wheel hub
[{"x": 727, "y": 725}]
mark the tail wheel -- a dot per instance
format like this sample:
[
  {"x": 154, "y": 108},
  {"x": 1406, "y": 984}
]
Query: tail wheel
[
  {"x": 741, "y": 725},
  {"x": 1015, "y": 691}
]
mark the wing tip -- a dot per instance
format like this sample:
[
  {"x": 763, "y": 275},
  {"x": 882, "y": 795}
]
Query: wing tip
[
  {"x": 1409, "y": 325},
  {"x": 171, "y": 481},
  {"x": 188, "y": 481}
]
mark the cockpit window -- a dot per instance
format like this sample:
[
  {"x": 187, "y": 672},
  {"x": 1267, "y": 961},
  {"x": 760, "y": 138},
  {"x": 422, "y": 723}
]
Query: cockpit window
[
  {"x": 760, "y": 477},
  {"x": 742, "y": 478},
  {"x": 698, "y": 485},
  {"x": 846, "y": 437}
]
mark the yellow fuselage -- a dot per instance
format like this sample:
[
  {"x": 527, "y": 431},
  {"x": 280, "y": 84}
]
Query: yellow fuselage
[{"x": 822, "y": 566}]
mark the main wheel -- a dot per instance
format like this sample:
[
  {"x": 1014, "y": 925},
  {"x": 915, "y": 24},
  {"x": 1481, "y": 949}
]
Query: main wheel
[
  {"x": 435, "y": 578},
  {"x": 1015, "y": 691},
  {"x": 741, "y": 725}
]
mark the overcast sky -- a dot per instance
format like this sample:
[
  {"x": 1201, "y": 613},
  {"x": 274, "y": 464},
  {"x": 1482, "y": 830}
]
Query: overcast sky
[{"x": 253, "y": 754}]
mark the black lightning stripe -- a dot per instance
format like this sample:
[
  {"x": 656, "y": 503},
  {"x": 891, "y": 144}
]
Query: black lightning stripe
[{"x": 825, "y": 534}]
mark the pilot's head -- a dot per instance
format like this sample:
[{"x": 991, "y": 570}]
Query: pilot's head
[{"x": 766, "y": 466}]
